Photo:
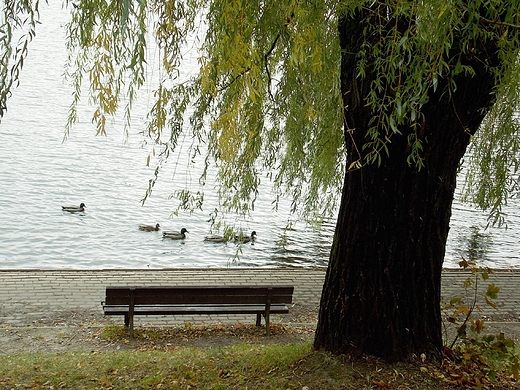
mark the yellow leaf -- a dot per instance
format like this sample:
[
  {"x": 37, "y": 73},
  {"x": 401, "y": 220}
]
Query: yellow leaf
[
  {"x": 355, "y": 165},
  {"x": 461, "y": 309},
  {"x": 490, "y": 303},
  {"x": 479, "y": 325}
]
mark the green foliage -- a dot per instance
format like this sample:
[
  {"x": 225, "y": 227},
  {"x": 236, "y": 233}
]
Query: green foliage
[
  {"x": 486, "y": 357},
  {"x": 261, "y": 82},
  {"x": 410, "y": 47},
  {"x": 17, "y": 29},
  {"x": 494, "y": 164},
  {"x": 96, "y": 34},
  {"x": 265, "y": 101},
  {"x": 493, "y": 167},
  {"x": 478, "y": 358},
  {"x": 258, "y": 106},
  {"x": 465, "y": 307}
]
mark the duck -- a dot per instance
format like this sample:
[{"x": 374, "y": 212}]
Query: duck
[
  {"x": 246, "y": 239},
  {"x": 176, "y": 235},
  {"x": 214, "y": 238},
  {"x": 74, "y": 209},
  {"x": 149, "y": 228}
]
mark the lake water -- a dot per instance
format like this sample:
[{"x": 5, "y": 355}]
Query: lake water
[{"x": 39, "y": 173}]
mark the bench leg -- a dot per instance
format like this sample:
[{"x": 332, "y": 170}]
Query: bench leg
[
  {"x": 131, "y": 327},
  {"x": 131, "y": 314},
  {"x": 129, "y": 324},
  {"x": 267, "y": 330},
  {"x": 259, "y": 321},
  {"x": 268, "y": 311}
]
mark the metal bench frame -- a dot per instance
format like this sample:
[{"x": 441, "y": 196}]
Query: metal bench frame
[{"x": 194, "y": 300}]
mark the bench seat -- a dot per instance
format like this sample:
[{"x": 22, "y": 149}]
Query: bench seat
[
  {"x": 197, "y": 300},
  {"x": 195, "y": 310}
]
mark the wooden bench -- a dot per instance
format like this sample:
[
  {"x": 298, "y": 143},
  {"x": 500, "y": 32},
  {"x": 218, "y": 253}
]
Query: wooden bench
[{"x": 195, "y": 300}]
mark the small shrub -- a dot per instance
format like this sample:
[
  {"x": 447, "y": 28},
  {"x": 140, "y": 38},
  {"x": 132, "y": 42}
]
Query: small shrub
[{"x": 474, "y": 359}]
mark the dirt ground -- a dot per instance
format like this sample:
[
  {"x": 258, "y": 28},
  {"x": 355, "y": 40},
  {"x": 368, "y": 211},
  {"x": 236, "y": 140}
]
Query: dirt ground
[
  {"x": 67, "y": 330},
  {"x": 89, "y": 338},
  {"x": 73, "y": 331}
]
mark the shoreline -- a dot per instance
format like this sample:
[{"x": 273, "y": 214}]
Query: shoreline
[{"x": 180, "y": 269}]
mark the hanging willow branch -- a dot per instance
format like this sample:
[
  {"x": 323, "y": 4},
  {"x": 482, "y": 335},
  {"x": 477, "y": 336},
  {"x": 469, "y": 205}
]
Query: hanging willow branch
[{"x": 499, "y": 23}]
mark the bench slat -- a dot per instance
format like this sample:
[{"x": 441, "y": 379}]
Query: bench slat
[
  {"x": 183, "y": 309},
  {"x": 197, "y": 295}
]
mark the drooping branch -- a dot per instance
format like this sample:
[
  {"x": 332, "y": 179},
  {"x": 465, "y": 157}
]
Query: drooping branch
[
  {"x": 246, "y": 70},
  {"x": 499, "y": 23},
  {"x": 14, "y": 17},
  {"x": 266, "y": 63}
]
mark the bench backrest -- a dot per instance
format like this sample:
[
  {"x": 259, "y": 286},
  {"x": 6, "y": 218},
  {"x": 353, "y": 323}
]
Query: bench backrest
[{"x": 199, "y": 295}]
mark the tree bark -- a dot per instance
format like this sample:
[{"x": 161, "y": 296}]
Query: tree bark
[{"x": 382, "y": 289}]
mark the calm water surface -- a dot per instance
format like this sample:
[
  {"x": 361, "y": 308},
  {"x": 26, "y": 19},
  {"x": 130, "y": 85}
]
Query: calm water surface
[{"x": 39, "y": 173}]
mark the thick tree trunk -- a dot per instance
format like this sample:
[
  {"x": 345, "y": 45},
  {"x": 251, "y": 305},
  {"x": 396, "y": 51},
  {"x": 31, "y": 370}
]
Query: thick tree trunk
[{"x": 382, "y": 290}]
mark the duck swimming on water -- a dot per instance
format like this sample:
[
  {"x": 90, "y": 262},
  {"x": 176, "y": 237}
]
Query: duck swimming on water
[
  {"x": 74, "y": 209},
  {"x": 239, "y": 238},
  {"x": 176, "y": 235},
  {"x": 214, "y": 238},
  {"x": 246, "y": 239},
  {"x": 149, "y": 228}
]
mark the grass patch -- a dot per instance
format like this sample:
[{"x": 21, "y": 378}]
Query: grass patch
[
  {"x": 274, "y": 366},
  {"x": 157, "y": 360},
  {"x": 238, "y": 366}
]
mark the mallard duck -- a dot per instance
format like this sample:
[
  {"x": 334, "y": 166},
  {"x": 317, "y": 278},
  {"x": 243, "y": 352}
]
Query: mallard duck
[
  {"x": 74, "y": 209},
  {"x": 215, "y": 238},
  {"x": 149, "y": 228},
  {"x": 246, "y": 239},
  {"x": 176, "y": 235}
]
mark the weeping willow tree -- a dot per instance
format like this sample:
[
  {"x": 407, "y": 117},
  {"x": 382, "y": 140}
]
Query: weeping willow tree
[{"x": 368, "y": 103}]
